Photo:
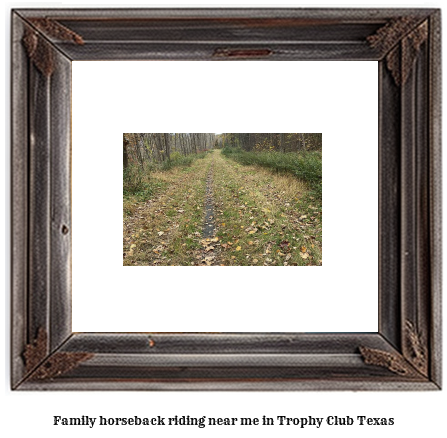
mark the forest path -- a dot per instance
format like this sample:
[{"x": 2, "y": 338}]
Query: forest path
[{"x": 219, "y": 212}]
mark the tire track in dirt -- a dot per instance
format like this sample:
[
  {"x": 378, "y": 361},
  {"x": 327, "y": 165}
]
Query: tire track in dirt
[{"x": 210, "y": 255}]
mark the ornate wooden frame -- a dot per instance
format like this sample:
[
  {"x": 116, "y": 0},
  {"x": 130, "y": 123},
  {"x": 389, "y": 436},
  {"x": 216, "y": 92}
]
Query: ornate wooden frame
[{"x": 406, "y": 352}]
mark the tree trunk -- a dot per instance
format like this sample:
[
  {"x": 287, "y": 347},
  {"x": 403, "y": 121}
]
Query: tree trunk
[
  {"x": 282, "y": 142},
  {"x": 125, "y": 156},
  {"x": 167, "y": 146}
]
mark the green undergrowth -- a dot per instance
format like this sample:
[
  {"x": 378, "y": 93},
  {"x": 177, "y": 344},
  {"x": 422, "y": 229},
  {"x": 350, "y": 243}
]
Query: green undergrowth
[
  {"x": 180, "y": 160},
  {"x": 307, "y": 166},
  {"x": 138, "y": 182},
  {"x": 138, "y": 186}
]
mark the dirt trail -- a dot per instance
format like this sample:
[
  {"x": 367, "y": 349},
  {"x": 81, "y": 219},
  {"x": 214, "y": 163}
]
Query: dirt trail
[
  {"x": 218, "y": 212},
  {"x": 208, "y": 226},
  {"x": 210, "y": 242}
]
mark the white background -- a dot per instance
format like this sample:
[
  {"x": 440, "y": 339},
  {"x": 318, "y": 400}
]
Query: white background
[
  {"x": 190, "y": 96},
  {"x": 416, "y": 414}
]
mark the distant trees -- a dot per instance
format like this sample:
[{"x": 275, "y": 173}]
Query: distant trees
[
  {"x": 140, "y": 149},
  {"x": 271, "y": 142},
  {"x": 145, "y": 148}
]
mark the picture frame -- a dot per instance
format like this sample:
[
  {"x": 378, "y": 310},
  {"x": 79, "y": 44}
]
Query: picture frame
[{"x": 405, "y": 353}]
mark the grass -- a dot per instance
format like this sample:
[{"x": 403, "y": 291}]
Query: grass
[
  {"x": 180, "y": 160},
  {"x": 306, "y": 166},
  {"x": 140, "y": 183},
  {"x": 167, "y": 228},
  {"x": 265, "y": 219}
]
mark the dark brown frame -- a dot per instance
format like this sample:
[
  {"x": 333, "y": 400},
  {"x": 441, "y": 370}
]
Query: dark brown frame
[{"x": 405, "y": 354}]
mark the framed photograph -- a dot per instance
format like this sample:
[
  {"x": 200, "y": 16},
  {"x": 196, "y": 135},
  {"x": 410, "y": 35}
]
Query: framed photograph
[{"x": 221, "y": 273}]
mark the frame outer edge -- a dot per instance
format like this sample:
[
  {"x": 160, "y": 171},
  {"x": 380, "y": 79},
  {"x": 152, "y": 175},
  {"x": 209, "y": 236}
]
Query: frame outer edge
[
  {"x": 349, "y": 13},
  {"x": 19, "y": 199},
  {"x": 25, "y": 317},
  {"x": 435, "y": 138},
  {"x": 276, "y": 386}
]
